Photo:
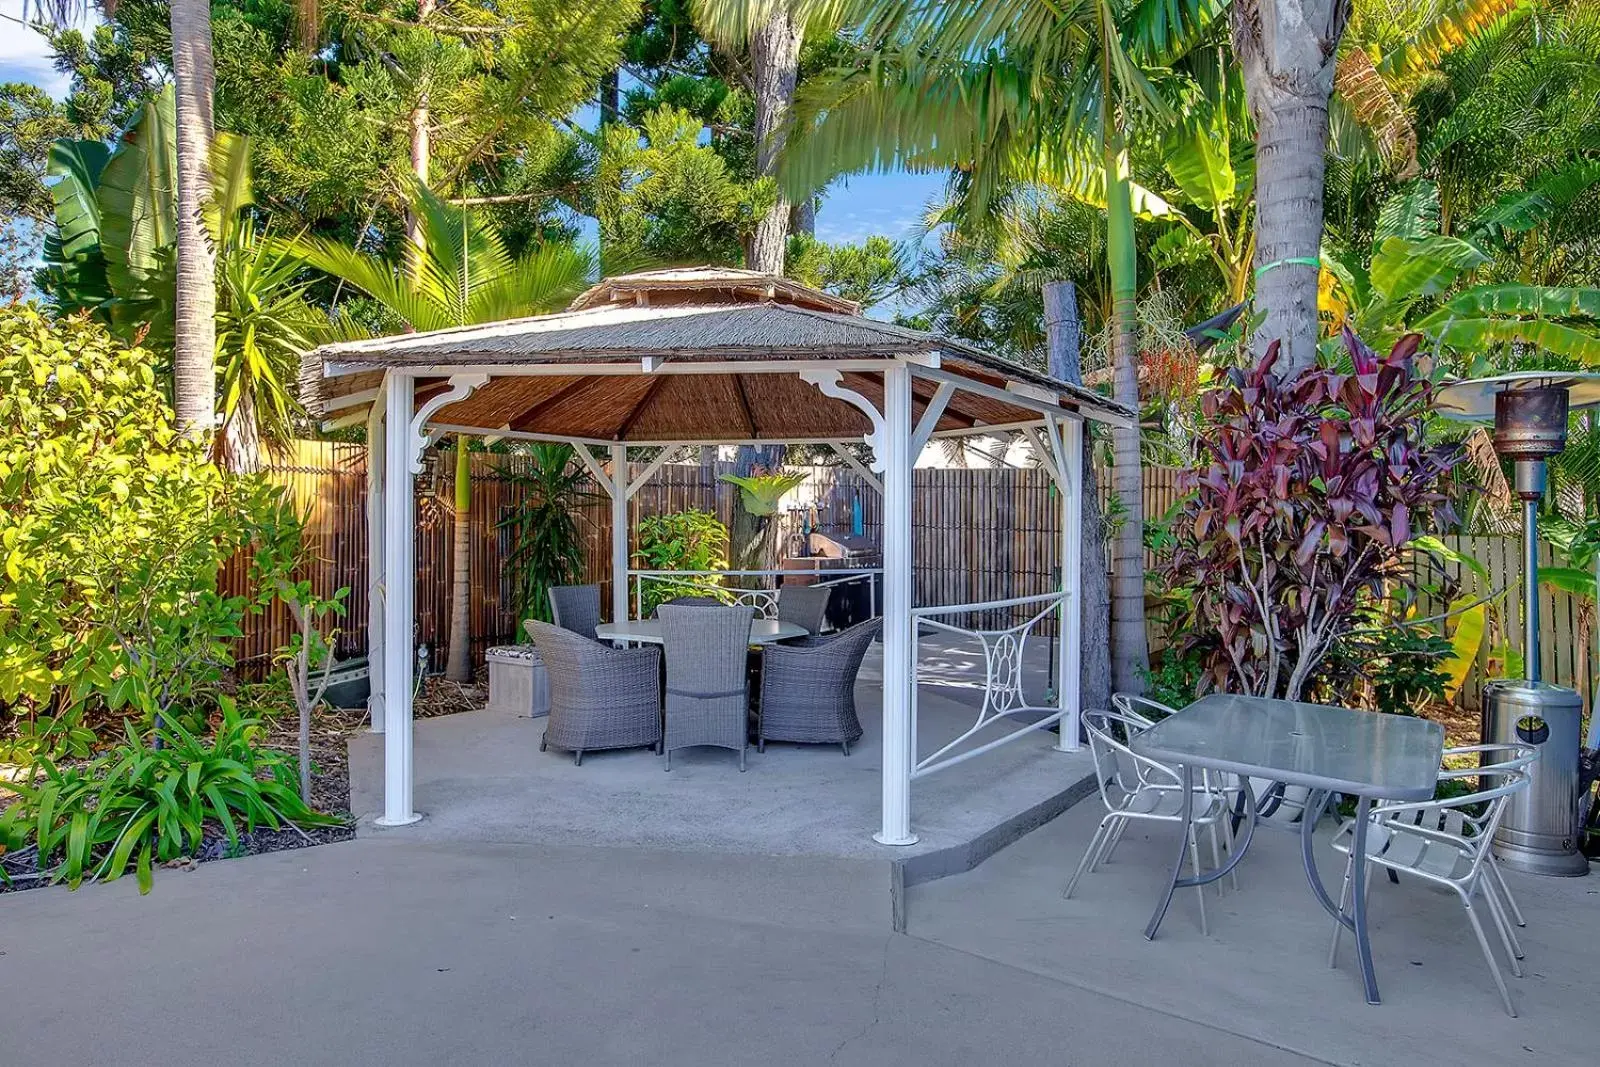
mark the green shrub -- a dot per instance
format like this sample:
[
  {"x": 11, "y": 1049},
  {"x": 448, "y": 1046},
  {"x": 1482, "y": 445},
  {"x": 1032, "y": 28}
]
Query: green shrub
[
  {"x": 680, "y": 541},
  {"x": 112, "y": 535},
  {"x": 140, "y": 804}
]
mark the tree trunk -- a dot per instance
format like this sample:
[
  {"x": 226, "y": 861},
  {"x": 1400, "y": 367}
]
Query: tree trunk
[
  {"x": 240, "y": 447},
  {"x": 194, "y": 368},
  {"x": 1129, "y": 647},
  {"x": 421, "y": 134},
  {"x": 803, "y": 217},
  {"x": 1287, "y": 50},
  {"x": 458, "y": 668},
  {"x": 610, "y": 96},
  {"x": 775, "y": 63},
  {"x": 751, "y": 544},
  {"x": 1065, "y": 333}
]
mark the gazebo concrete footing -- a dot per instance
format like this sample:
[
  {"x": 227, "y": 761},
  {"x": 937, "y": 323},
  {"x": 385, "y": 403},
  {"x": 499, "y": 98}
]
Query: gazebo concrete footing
[{"x": 481, "y": 777}]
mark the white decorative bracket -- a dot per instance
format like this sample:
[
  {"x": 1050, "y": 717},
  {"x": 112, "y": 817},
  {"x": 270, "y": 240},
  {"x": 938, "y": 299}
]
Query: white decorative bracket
[
  {"x": 830, "y": 383},
  {"x": 461, "y": 387}
]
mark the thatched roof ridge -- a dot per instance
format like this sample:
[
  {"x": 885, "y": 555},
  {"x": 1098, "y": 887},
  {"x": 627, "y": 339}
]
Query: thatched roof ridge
[{"x": 708, "y": 285}]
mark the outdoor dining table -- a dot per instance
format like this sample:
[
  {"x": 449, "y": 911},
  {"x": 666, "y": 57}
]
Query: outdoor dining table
[
  {"x": 1326, "y": 750},
  {"x": 648, "y": 631}
]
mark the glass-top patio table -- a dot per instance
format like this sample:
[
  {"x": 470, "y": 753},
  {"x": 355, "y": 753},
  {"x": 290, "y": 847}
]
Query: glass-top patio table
[
  {"x": 1326, "y": 750},
  {"x": 648, "y": 631}
]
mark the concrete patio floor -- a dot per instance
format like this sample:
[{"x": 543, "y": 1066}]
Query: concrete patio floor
[
  {"x": 1262, "y": 973},
  {"x": 389, "y": 953},
  {"x": 481, "y": 777}
]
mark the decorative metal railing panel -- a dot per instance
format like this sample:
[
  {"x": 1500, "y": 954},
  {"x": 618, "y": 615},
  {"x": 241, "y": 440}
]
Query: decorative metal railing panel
[{"x": 1004, "y": 697}]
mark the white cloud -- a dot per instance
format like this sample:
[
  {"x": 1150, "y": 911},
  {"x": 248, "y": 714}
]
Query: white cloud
[{"x": 24, "y": 54}]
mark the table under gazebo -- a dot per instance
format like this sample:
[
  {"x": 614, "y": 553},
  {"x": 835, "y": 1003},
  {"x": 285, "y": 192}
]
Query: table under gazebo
[{"x": 662, "y": 360}]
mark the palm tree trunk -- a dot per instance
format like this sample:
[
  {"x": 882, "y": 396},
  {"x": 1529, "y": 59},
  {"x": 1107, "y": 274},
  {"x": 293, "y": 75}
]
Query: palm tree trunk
[
  {"x": 775, "y": 62},
  {"x": 194, "y": 371},
  {"x": 421, "y": 134},
  {"x": 1288, "y": 50},
  {"x": 458, "y": 667},
  {"x": 1130, "y": 653},
  {"x": 1064, "y": 331}
]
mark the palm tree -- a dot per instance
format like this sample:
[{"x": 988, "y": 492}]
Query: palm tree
[
  {"x": 194, "y": 387},
  {"x": 1022, "y": 90},
  {"x": 194, "y": 372},
  {"x": 1289, "y": 49},
  {"x": 772, "y": 32},
  {"x": 458, "y": 274}
]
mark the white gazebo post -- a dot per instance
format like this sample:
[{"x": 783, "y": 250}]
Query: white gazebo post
[
  {"x": 399, "y": 574},
  {"x": 1070, "y": 653},
  {"x": 619, "y": 533},
  {"x": 894, "y": 440},
  {"x": 375, "y": 562}
]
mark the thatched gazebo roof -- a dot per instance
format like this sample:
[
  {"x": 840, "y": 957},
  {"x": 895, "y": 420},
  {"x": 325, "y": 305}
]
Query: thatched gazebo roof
[{"x": 688, "y": 354}]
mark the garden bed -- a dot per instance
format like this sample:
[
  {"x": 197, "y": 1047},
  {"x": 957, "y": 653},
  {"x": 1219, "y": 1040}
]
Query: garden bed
[{"x": 330, "y": 793}]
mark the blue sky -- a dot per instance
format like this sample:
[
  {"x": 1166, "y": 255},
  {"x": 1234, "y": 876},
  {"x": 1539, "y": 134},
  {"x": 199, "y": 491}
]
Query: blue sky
[{"x": 888, "y": 204}]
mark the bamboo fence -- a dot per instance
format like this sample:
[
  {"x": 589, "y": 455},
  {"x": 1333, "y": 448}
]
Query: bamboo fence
[{"x": 978, "y": 535}]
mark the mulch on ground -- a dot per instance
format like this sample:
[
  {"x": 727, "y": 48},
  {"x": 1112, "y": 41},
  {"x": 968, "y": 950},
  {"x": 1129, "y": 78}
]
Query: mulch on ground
[{"x": 331, "y": 730}]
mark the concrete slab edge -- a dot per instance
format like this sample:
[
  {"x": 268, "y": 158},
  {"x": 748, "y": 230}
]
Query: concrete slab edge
[{"x": 958, "y": 859}]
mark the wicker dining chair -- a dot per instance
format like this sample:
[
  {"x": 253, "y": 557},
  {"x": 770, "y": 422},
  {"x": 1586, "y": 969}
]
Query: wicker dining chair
[
  {"x": 804, "y": 605},
  {"x": 600, "y": 697},
  {"x": 808, "y": 689},
  {"x": 576, "y": 608},
  {"x": 708, "y": 692}
]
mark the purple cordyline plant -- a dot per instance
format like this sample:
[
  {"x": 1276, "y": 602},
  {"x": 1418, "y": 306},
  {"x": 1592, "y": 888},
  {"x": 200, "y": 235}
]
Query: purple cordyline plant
[{"x": 1312, "y": 488}]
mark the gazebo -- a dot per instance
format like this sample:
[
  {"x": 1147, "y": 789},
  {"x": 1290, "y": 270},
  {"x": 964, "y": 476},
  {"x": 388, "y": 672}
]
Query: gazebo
[{"x": 702, "y": 356}]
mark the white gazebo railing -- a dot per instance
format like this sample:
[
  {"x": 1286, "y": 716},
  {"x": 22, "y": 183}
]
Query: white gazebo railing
[
  {"x": 764, "y": 598},
  {"x": 1004, "y": 697}
]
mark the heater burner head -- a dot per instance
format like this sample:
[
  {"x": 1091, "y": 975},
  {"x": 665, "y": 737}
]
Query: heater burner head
[
  {"x": 1530, "y": 423},
  {"x": 1476, "y": 399}
]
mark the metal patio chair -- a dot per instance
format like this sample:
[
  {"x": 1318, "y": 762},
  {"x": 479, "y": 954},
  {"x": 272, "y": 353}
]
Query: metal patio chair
[
  {"x": 808, "y": 688},
  {"x": 576, "y": 608},
  {"x": 708, "y": 689},
  {"x": 1135, "y": 788},
  {"x": 600, "y": 697},
  {"x": 1447, "y": 842}
]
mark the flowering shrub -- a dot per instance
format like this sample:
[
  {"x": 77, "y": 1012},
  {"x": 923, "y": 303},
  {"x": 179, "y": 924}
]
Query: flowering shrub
[{"x": 1309, "y": 490}]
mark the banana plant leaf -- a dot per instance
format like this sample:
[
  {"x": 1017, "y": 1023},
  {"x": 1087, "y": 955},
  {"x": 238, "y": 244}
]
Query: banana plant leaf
[{"x": 1465, "y": 642}]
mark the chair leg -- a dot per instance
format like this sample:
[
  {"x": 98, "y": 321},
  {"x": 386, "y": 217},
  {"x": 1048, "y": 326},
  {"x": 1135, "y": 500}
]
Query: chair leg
[
  {"x": 666, "y": 757},
  {"x": 1216, "y": 853},
  {"x": 1505, "y": 891},
  {"x": 846, "y": 746},
  {"x": 1199, "y": 890},
  {"x": 761, "y": 745},
  {"x": 1110, "y": 844},
  {"x": 1344, "y": 902},
  {"x": 1227, "y": 837},
  {"x": 741, "y": 758},
  {"x": 1094, "y": 845},
  {"x": 1488, "y": 955},
  {"x": 543, "y": 742},
  {"x": 1507, "y": 939},
  {"x": 577, "y": 757}
]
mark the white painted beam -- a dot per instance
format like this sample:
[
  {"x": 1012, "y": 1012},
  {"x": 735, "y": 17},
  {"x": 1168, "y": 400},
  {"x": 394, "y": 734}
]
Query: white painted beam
[{"x": 856, "y": 465}]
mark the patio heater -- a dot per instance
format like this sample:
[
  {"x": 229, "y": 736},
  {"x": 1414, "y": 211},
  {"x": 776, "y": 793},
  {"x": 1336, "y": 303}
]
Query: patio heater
[{"x": 1540, "y": 830}]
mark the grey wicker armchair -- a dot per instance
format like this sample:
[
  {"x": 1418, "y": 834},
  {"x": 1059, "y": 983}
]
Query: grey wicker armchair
[
  {"x": 576, "y": 608},
  {"x": 808, "y": 689},
  {"x": 804, "y": 605},
  {"x": 600, "y": 697},
  {"x": 708, "y": 692}
]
